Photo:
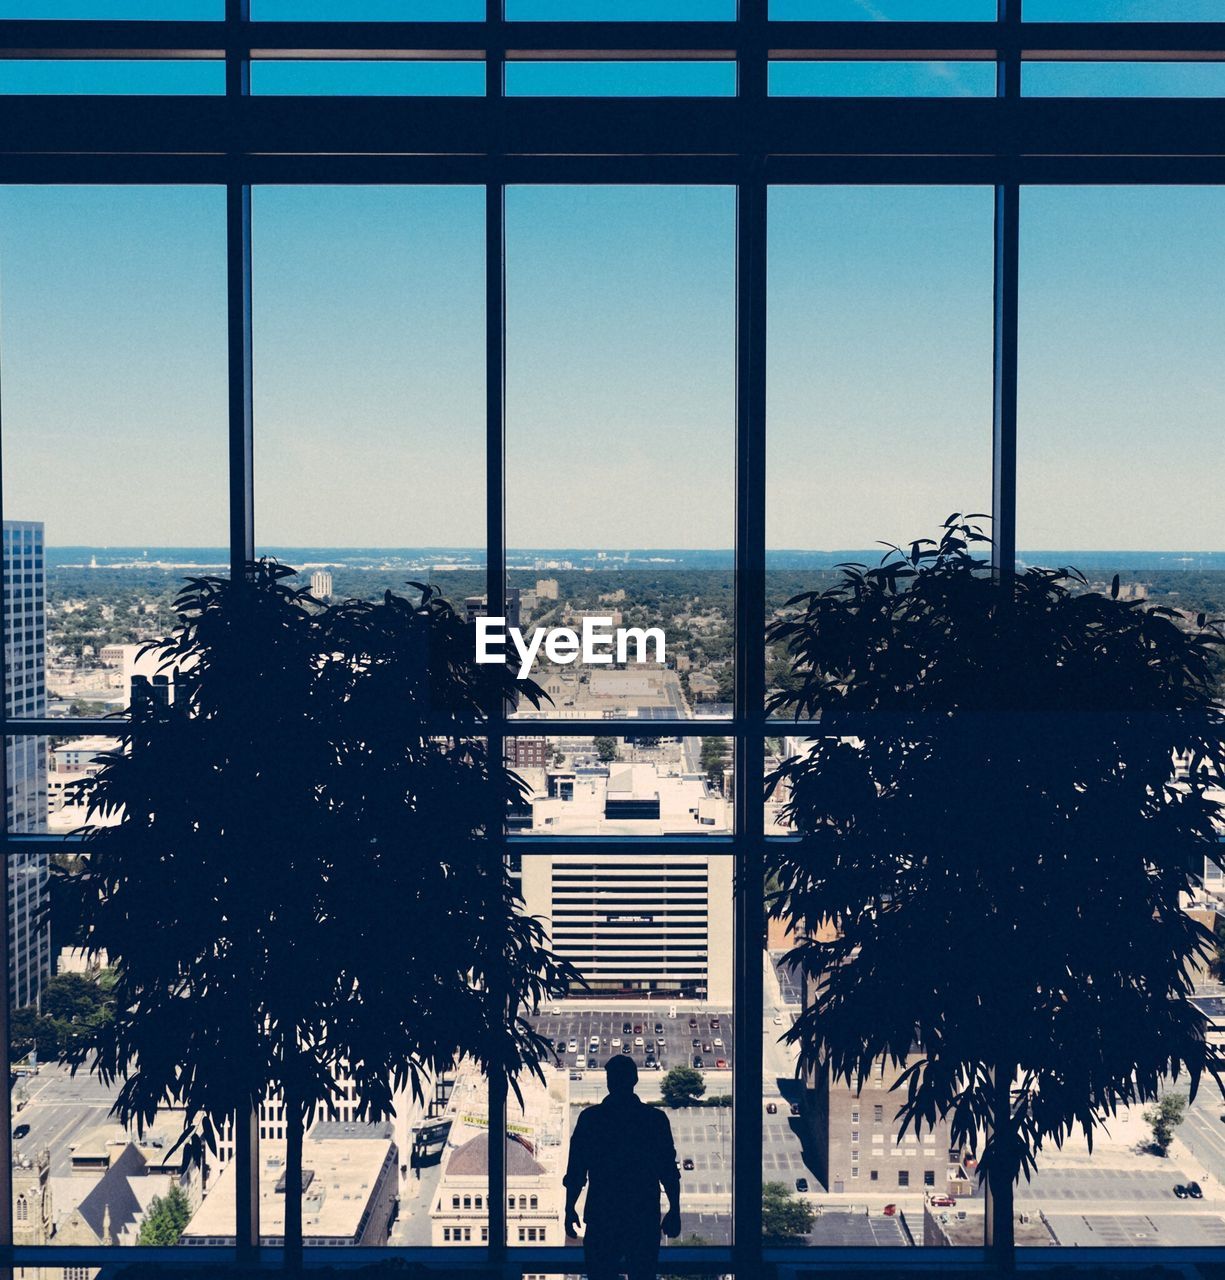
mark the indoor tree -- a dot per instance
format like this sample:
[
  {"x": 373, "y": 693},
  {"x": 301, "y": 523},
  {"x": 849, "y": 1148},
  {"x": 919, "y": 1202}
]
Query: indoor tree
[
  {"x": 296, "y": 885},
  {"x": 1006, "y": 786}
]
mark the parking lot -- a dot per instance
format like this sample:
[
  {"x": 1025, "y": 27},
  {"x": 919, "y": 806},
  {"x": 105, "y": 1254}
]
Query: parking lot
[{"x": 665, "y": 1042}]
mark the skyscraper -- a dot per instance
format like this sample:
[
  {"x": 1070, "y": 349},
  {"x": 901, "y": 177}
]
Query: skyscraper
[{"x": 25, "y": 757}]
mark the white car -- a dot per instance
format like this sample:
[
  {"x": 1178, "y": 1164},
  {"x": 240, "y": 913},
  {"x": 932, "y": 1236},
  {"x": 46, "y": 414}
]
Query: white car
[
  {"x": 638, "y": 1041},
  {"x": 572, "y": 1047},
  {"x": 616, "y": 1042},
  {"x": 718, "y": 1043}
]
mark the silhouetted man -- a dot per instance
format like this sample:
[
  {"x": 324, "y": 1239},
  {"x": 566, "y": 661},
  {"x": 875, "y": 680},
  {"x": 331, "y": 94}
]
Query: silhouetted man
[{"x": 623, "y": 1150}]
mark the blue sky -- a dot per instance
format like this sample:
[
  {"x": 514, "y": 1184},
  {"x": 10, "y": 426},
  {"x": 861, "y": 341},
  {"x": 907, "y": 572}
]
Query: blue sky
[{"x": 369, "y": 408}]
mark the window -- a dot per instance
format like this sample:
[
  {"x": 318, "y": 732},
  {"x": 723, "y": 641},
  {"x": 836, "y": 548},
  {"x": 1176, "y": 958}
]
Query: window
[
  {"x": 536, "y": 363},
  {"x": 903, "y": 1178},
  {"x": 929, "y": 1177}
]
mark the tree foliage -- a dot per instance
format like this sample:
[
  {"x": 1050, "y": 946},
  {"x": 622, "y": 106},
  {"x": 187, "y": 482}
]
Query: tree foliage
[
  {"x": 1008, "y": 786},
  {"x": 1163, "y": 1117},
  {"x": 785, "y": 1218},
  {"x": 167, "y": 1218},
  {"x": 297, "y": 886},
  {"x": 682, "y": 1087}
]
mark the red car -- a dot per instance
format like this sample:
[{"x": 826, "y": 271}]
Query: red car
[
  {"x": 721, "y": 1063},
  {"x": 943, "y": 1202},
  {"x": 890, "y": 1210}
]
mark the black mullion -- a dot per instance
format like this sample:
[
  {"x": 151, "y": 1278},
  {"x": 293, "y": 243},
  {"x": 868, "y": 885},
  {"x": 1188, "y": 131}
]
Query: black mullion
[
  {"x": 242, "y": 502},
  {"x": 495, "y": 533},
  {"x": 749, "y": 694}
]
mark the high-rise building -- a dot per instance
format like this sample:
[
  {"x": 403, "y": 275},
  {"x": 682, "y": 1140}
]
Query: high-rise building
[
  {"x": 321, "y": 584},
  {"x": 656, "y": 924},
  {"x": 478, "y": 607},
  {"x": 25, "y": 629}
]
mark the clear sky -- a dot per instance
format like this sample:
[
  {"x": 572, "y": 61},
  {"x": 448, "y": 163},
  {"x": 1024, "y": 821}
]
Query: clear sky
[{"x": 369, "y": 333}]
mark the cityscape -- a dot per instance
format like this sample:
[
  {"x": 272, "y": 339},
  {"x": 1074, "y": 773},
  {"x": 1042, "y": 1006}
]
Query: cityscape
[{"x": 651, "y": 936}]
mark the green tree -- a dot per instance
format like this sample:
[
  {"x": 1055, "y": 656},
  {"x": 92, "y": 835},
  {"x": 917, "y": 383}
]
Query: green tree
[
  {"x": 168, "y": 1216},
  {"x": 1019, "y": 761},
  {"x": 606, "y": 748},
  {"x": 682, "y": 1087},
  {"x": 785, "y": 1218},
  {"x": 1163, "y": 1118}
]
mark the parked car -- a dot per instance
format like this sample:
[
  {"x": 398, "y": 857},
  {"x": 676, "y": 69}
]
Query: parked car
[
  {"x": 717, "y": 1043},
  {"x": 21, "y": 1131},
  {"x": 795, "y": 1108},
  {"x": 572, "y": 1047},
  {"x": 638, "y": 1028},
  {"x": 659, "y": 1040},
  {"x": 771, "y": 1108},
  {"x": 697, "y": 1044},
  {"x": 943, "y": 1202},
  {"x": 693, "y": 1022},
  {"x": 576, "y": 1075},
  {"x": 626, "y": 1028},
  {"x": 721, "y": 1063},
  {"x": 687, "y": 1163},
  {"x": 616, "y": 1042},
  {"x": 638, "y": 1041},
  {"x": 706, "y": 1047},
  {"x": 659, "y": 1028},
  {"x": 697, "y": 1060},
  {"x": 1181, "y": 1192},
  {"x": 801, "y": 1184},
  {"x": 625, "y": 1048},
  {"x": 714, "y": 1024},
  {"x": 1195, "y": 1191},
  {"x": 890, "y": 1210}
]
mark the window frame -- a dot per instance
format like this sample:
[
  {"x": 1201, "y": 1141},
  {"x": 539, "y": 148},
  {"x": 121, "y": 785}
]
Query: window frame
[{"x": 750, "y": 142}]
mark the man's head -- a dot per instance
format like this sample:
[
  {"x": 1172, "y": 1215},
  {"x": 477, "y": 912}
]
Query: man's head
[{"x": 621, "y": 1072}]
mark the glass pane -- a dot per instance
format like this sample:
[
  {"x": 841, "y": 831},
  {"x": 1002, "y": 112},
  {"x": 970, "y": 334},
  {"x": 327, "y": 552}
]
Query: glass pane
[
  {"x": 879, "y": 367},
  {"x": 441, "y": 79},
  {"x": 368, "y": 10},
  {"x": 1121, "y": 11},
  {"x": 177, "y": 10},
  {"x": 1121, "y": 379},
  {"x": 653, "y": 939},
  {"x": 1123, "y": 79},
  {"x": 620, "y": 397},
  {"x": 640, "y": 785},
  {"x": 1121, "y": 376},
  {"x": 621, "y": 79},
  {"x": 883, "y": 10},
  {"x": 110, "y": 76},
  {"x": 114, "y": 450},
  {"x": 882, "y": 79},
  {"x": 619, "y": 10},
  {"x": 369, "y": 324},
  {"x": 80, "y": 1176}
]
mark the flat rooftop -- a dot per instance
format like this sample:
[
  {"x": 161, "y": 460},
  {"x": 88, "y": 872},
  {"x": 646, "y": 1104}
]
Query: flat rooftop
[{"x": 346, "y": 1173}]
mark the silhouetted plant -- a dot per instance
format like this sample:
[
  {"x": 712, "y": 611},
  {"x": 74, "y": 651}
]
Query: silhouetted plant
[
  {"x": 1006, "y": 788},
  {"x": 297, "y": 887}
]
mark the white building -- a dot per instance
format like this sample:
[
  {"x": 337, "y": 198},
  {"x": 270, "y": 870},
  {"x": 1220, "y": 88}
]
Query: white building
[
  {"x": 536, "y": 1156},
  {"x": 321, "y": 584},
  {"x": 348, "y": 1196},
  {"x": 659, "y": 923}
]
